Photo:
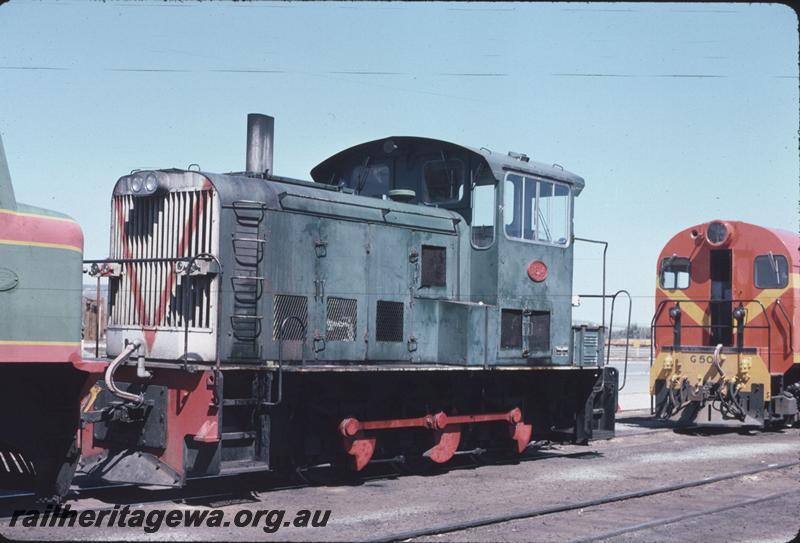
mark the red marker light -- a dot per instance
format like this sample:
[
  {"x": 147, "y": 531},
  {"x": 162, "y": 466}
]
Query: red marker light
[{"x": 537, "y": 271}]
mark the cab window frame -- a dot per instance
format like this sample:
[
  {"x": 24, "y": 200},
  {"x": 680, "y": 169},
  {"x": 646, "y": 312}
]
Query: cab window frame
[
  {"x": 670, "y": 260},
  {"x": 462, "y": 187},
  {"x": 371, "y": 168},
  {"x": 779, "y": 258},
  {"x": 495, "y": 190},
  {"x": 526, "y": 178}
]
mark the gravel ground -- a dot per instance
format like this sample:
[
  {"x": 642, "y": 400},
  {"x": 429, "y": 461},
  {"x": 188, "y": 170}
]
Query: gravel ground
[{"x": 642, "y": 456}]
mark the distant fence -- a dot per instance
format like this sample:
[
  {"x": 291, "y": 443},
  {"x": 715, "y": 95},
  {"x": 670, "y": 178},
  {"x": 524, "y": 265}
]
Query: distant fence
[
  {"x": 633, "y": 342},
  {"x": 91, "y": 313}
]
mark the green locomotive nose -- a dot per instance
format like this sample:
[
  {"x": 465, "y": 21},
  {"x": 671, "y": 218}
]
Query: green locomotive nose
[{"x": 41, "y": 255}]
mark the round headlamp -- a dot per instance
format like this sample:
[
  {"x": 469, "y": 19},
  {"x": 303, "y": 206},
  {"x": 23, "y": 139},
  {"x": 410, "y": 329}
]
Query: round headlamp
[
  {"x": 717, "y": 233},
  {"x": 150, "y": 183},
  {"x": 136, "y": 184}
]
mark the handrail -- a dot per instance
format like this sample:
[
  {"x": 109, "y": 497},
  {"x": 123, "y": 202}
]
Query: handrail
[
  {"x": 280, "y": 355},
  {"x": 788, "y": 322},
  {"x": 189, "y": 260},
  {"x": 768, "y": 327},
  {"x": 190, "y": 263},
  {"x": 627, "y": 333},
  {"x": 605, "y": 250},
  {"x": 610, "y": 324}
]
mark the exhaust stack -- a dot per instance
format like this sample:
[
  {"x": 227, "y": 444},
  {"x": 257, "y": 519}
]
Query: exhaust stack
[{"x": 260, "y": 139}]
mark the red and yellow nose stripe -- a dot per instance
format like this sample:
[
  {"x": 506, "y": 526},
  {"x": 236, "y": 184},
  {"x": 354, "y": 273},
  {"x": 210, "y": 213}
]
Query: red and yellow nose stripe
[
  {"x": 766, "y": 298},
  {"x": 33, "y": 230}
]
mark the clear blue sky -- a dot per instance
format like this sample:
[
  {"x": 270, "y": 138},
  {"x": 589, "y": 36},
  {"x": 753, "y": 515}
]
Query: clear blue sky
[{"x": 675, "y": 114}]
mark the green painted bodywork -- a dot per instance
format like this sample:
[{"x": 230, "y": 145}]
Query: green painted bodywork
[
  {"x": 45, "y": 303},
  {"x": 311, "y": 245},
  {"x": 369, "y": 256}
]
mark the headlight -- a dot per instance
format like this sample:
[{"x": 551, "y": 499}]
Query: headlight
[
  {"x": 136, "y": 184},
  {"x": 717, "y": 233},
  {"x": 150, "y": 183}
]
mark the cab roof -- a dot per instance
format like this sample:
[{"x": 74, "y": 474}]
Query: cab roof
[{"x": 498, "y": 163}]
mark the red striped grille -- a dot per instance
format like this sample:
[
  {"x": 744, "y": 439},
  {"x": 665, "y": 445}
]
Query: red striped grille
[{"x": 167, "y": 226}]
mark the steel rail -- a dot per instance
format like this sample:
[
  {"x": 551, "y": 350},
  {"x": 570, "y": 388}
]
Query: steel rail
[
  {"x": 685, "y": 516},
  {"x": 542, "y": 511}
]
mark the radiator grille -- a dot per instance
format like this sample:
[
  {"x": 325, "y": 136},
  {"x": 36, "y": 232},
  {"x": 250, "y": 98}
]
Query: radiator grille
[
  {"x": 341, "y": 319},
  {"x": 286, "y": 307},
  {"x": 164, "y": 226},
  {"x": 389, "y": 321},
  {"x": 591, "y": 346}
]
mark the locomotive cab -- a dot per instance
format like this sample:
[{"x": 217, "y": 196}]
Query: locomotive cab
[{"x": 519, "y": 213}]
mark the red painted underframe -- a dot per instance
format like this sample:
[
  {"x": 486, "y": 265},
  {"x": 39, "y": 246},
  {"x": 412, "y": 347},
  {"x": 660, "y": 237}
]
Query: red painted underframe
[
  {"x": 446, "y": 433},
  {"x": 190, "y": 412}
]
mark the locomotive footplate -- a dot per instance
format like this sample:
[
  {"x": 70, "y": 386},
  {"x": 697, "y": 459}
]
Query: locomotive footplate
[{"x": 446, "y": 433}]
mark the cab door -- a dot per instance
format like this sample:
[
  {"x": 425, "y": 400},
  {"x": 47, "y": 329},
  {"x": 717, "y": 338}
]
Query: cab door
[{"x": 721, "y": 304}]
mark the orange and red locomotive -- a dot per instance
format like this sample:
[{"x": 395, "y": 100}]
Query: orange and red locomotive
[{"x": 725, "y": 351}]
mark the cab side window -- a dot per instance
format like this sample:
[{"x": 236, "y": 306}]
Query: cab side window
[
  {"x": 444, "y": 181},
  {"x": 771, "y": 271},
  {"x": 483, "y": 207},
  {"x": 371, "y": 180},
  {"x": 675, "y": 272},
  {"x": 536, "y": 210}
]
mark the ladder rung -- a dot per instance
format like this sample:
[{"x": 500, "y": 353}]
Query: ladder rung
[
  {"x": 240, "y": 401},
  {"x": 253, "y": 240},
  {"x": 238, "y": 435}
]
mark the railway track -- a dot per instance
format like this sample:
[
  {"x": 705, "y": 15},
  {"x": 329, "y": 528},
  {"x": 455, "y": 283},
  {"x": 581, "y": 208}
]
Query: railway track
[
  {"x": 563, "y": 518},
  {"x": 687, "y": 516},
  {"x": 610, "y": 499},
  {"x": 199, "y": 490}
]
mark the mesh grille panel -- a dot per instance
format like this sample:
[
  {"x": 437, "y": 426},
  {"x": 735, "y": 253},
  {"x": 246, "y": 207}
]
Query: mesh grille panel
[
  {"x": 539, "y": 339},
  {"x": 389, "y": 321},
  {"x": 590, "y": 347},
  {"x": 341, "y": 320},
  {"x": 511, "y": 329},
  {"x": 434, "y": 266},
  {"x": 287, "y": 307}
]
